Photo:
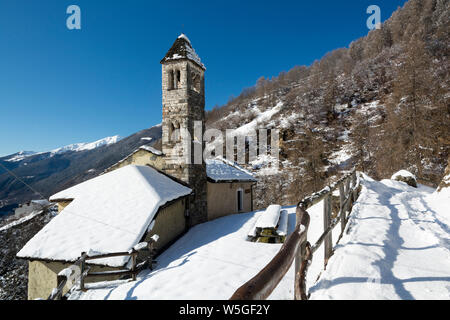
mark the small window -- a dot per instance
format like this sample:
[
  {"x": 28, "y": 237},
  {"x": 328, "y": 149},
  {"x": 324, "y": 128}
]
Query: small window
[
  {"x": 177, "y": 79},
  {"x": 171, "y": 80},
  {"x": 196, "y": 82},
  {"x": 240, "y": 200},
  {"x": 174, "y": 131}
]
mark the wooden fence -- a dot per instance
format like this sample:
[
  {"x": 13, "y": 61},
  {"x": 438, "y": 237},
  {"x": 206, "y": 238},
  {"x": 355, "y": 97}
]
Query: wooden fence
[
  {"x": 63, "y": 277},
  {"x": 297, "y": 246}
]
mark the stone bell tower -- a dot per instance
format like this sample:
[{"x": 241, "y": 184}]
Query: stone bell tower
[{"x": 183, "y": 98}]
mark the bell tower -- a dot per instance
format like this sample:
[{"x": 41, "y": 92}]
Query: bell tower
[{"x": 183, "y": 98}]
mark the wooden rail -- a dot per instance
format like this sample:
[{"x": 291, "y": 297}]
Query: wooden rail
[
  {"x": 297, "y": 246},
  {"x": 80, "y": 264}
]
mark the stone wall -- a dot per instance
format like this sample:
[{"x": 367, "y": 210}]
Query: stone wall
[
  {"x": 170, "y": 223},
  {"x": 42, "y": 277},
  {"x": 62, "y": 204},
  {"x": 141, "y": 157},
  {"x": 183, "y": 105}
]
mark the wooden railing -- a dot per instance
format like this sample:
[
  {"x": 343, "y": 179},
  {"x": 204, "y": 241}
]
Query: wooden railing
[
  {"x": 297, "y": 246},
  {"x": 66, "y": 274}
]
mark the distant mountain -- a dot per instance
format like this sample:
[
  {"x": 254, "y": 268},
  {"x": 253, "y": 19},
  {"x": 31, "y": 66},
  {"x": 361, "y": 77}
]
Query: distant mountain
[
  {"x": 23, "y": 155},
  {"x": 52, "y": 171},
  {"x": 18, "y": 156}
]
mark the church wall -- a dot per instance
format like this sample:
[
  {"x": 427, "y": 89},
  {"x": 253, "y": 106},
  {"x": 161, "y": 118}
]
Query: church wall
[
  {"x": 62, "y": 204},
  {"x": 170, "y": 223},
  {"x": 42, "y": 277},
  {"x": 140, "y": 158},
  {"x": 222, "y": 198}
]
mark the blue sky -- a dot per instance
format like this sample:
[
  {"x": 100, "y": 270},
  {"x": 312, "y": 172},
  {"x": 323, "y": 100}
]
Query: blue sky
[{"x": 60, "y": 86}]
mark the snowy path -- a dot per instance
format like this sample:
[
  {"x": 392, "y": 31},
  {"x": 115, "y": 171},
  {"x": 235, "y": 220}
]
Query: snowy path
[
  {"x": 397, "y": 247},
  {"x": 210, "y": 262}
]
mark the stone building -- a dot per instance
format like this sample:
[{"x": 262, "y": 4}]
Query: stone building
[
  {"x": 110, "y": 213},
  {"x": 149, "y": 192},
  {"x": 183, "y": 104}
]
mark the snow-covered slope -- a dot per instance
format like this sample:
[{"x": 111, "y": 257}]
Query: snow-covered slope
[
  {"x": 19, "y": 156},
  {"x": 83, "y": 146},
  {"x": 86, "y": 146},
  {"x": 395, "y": 247}
]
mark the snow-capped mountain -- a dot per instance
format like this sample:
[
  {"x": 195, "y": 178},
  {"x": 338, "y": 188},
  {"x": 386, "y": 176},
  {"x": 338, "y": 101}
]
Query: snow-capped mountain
[
  {"x": 19, "y": 156},
  {"x": 51, "y": 171},
  {"x": 75, "y": 147},
  {"x": 87, "y": 146}
]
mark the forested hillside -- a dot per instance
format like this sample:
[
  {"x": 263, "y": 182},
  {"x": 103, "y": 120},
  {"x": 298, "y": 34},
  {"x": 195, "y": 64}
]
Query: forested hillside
[{"x": 382, "y": 103}]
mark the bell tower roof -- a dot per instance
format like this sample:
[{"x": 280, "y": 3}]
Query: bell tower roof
[{"x": 181, "y": 50}]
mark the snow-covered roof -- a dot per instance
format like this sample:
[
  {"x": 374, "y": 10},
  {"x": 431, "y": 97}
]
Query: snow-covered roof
[
  {"x": 151, "y": 149},
  {"x": 182, "y": 49},
  {"x": 220, "y": 170},
  {"x": 109, "y": 213}
]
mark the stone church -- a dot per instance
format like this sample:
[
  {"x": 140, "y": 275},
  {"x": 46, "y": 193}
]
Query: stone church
[
  {"x": 149, "y": 192},
  {"x": 183, "y": 104}
]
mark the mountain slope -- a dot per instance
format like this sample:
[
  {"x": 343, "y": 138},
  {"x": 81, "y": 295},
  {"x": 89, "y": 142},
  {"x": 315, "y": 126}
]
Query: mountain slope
[
  {"x": 381, "y": 104},
  {"x": 395, "y": 248},
  {"x": 50, "y": 172}
]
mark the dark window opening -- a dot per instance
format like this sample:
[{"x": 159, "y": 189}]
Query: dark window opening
[
  {"x": 177, "y": 79},
  {"x": 171, "y": 80},
  {"x": 240, "y": 195}
]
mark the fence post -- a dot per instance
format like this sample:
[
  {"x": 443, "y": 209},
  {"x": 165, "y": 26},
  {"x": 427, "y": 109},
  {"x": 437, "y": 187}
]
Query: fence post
[
  {"x": 355, "y": 182},
  {"x": 347, "y": 186},
  {"x": 298, "y": 263},
  {"x": 59, "y": 280},
  {"x": 83, "y": 269},
  {"x": 298, "y": 254},
  {"x": 342, "y": 210},
  {"x": 301, "y": 257},
  {"x": 326, "y": 223},
  {"x": 133, "y": 263}
]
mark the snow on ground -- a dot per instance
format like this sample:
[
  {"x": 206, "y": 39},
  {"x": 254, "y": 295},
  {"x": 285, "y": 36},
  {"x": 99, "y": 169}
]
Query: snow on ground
[
  {"x": 266, "y": 165},
  {"x": 396, "y": 248},
  {"x": 210, "y": 262},
  {"x": 262, "y": 118},
  {"x": 343, "y": 155}
]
